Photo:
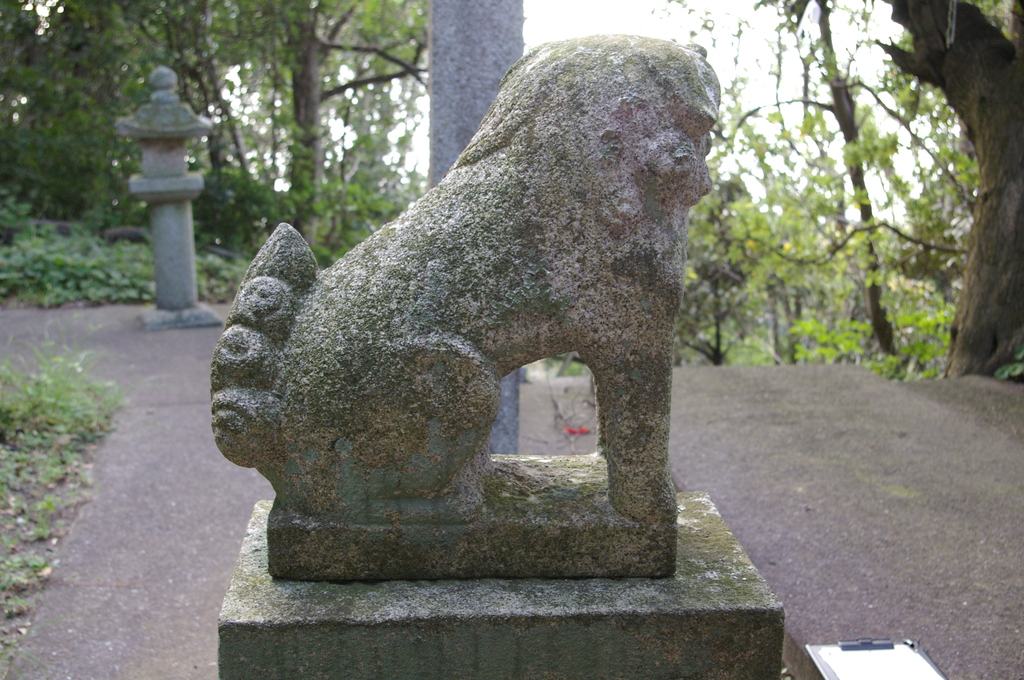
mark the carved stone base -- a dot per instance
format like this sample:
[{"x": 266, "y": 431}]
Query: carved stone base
[
  {"x": 540, "y": 517},
  {"x": 715, "y": 618}
]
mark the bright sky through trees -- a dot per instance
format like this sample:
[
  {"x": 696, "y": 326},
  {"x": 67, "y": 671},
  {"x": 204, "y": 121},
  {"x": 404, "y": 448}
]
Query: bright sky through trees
[
  {"x": 550, "y": 20},
  {"x": 713, "y": 25}
]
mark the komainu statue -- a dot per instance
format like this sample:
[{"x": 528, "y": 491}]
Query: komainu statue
[{"x": 366, "y": 392}]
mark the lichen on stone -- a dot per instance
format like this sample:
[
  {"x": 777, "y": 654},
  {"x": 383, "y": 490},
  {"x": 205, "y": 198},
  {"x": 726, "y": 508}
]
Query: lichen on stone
[{"x": 365, "y": 393}]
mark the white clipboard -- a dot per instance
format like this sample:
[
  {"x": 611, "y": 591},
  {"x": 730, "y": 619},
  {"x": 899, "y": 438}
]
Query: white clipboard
[{"x": 873, "y": 659}]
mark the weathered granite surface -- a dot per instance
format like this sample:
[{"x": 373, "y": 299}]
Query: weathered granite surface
[
  {"x": 366, "y": 393},
  {"x": 472, "y": 44},
  {"x": 715, "y": 619},
  {"x": 164, "y": 118}
]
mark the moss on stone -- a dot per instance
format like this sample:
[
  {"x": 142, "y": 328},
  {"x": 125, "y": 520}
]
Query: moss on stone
[
  {"x": 695, "y": 624},
  {"x": 560, "y": 228}
]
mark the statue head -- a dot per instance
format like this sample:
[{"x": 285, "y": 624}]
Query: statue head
[{"x": 617, "y": 117}]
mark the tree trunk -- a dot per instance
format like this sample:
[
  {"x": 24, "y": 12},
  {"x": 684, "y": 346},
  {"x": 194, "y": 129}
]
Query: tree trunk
[
  {"x": 982, "y": 75},
  {"x": 306, "y": 170},
  {"x": 989, "y": 320},
  {"x": 845, "y": 109}
]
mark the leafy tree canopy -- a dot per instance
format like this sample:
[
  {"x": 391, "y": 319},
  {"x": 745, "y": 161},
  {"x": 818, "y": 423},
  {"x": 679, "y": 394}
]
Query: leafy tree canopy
[
  {"x": 313, "y": 105},
  {"x": 837, "y": 228}
]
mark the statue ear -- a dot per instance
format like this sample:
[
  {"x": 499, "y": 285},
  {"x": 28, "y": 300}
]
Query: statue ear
[{"x": 285, "y": 256}]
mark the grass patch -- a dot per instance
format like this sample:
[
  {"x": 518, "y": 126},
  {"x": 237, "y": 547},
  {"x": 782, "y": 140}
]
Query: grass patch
[
  {"x": 42, "y": 268},
  {"x": 51, "y": 415}
]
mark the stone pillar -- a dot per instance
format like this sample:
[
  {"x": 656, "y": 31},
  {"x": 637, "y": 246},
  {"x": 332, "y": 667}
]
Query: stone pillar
[
  {"x": 162, "y": 128},
  {"x": 472, "y": 44}
]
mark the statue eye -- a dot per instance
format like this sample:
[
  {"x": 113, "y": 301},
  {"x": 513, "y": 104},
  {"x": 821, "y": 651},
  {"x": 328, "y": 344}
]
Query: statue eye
[
  {"x": 611, "y": 144},
  {"x": 685, "y": 151}
]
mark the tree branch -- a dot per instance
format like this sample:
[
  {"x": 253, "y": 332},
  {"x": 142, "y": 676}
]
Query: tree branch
[
  {"x": 410, "y": 69},
  {"x": 363, "y": 82},
  {"x": 341, "y": 21},
  {"x": 836, "y": 247},
  {"x": 918, "y": 142},
  {"x": 755, "y": 111},
  {"x": 909, "y": 63},
  {"x": 923, "y": 244}
]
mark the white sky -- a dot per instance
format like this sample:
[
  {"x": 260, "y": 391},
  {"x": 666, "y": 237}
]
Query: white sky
[{"x": 548, "y": 20}]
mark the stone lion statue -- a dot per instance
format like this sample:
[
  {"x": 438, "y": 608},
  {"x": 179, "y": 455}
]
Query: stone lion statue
[{"x": 366, "y": 393}]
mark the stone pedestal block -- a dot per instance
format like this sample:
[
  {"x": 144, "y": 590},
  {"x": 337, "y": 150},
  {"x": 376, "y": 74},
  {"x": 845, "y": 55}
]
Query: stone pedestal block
[{"x": 716, "y": 618}]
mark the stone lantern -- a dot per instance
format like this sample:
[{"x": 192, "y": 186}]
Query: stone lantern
[{"x": 162, "y": 128}]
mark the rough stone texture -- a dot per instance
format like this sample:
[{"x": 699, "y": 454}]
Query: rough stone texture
[
  {"x": 715, "y": 619},
  {"x": 165, "y": 118},
  {"x": 546, "y": 517},
  {"x": 366, "y": 394},
  {"x": 174, "y": 257},
  {"x": 162, "y": 128},
  {"x": 183, "y": 188},
  {"x": 472, "y": 44}
]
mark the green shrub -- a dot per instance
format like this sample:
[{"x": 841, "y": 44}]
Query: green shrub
[
  {"x": 922, "y": 342},
  {"x": 218, "y": 277},
  {"x": 1015, "y": 369},
  {"x": 236, "y": 211},
  {"x": 45, "y": 269}
]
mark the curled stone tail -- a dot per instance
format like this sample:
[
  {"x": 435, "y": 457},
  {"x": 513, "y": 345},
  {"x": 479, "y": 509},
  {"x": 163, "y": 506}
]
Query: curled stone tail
[{"x": 244, "y": 381}]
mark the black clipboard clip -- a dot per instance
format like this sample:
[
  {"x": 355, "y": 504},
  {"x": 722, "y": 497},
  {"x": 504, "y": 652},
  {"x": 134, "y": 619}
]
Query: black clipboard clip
[{"x": 865, "y": 644}]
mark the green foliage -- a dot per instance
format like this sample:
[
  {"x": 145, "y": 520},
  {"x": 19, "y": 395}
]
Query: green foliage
[
  {"x": 51, "y": 414},
  {"x": 13, "y": 213},
  {"x": 921, "y": 349},
  {"x": 1015, "y": 369},
  {"x": 830, "y": 345},
  {"x": 43, "y": 268},
  {"x": 335, "y": 157},
  {"x": 236, "y": 211},
  {"x": 322, "y": 150},
  {"x": 780, "y": 255},
  {"x": 718, "y": 309},
  {"x": 68, "y": 69},
  {"x": 217, "y": 277}
]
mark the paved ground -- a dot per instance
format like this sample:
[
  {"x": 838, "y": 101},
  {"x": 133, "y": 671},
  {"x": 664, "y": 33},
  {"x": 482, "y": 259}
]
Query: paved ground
[
  {"x": 144, "y": 570},
  {"x": 872, "y": 508}
]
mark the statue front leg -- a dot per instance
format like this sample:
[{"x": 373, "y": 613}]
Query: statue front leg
[{"x": 633, "y": 386}]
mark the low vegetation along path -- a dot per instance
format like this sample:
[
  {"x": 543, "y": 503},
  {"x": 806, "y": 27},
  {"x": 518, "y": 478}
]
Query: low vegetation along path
[{"x": 142, "y": 574}]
